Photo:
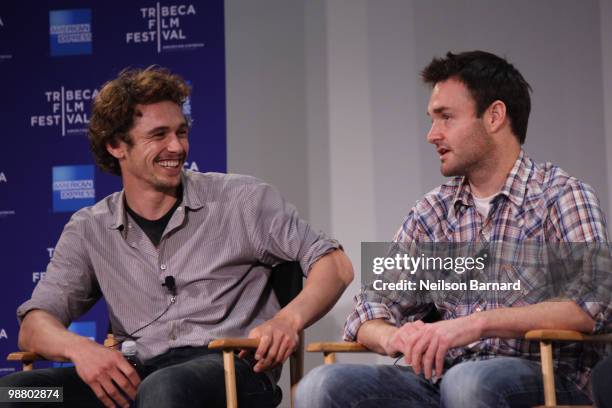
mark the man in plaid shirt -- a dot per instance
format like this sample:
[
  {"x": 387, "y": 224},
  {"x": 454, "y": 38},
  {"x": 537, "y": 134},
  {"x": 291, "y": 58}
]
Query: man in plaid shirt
[{"x": 479, "y": 107}]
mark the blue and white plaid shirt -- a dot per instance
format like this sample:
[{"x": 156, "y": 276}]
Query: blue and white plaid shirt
[{"x": 540, "y": 203}]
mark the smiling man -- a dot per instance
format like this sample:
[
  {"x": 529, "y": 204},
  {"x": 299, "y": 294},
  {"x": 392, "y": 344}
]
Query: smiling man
[
  {"x": 181, "y": 258},
  {"x": 479, "y": 109}
]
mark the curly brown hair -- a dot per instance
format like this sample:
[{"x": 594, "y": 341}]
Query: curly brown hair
[{"x": 114, "y": 108}]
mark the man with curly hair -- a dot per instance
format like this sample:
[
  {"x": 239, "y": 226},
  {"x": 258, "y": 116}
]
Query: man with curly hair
[{"x": 210, "y": 238}]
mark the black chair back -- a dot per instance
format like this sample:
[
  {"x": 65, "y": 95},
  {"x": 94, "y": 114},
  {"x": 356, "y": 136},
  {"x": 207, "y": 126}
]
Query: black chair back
[{"x": 287, "y": 281}]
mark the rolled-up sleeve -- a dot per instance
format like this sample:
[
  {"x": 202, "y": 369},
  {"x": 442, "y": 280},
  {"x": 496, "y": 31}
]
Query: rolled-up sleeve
[
  {"x": 68, "y": 288},
  {"x": 364, "y": 311},
  {"x": 397, "y": 307},
  {"x": 279, "y": 234},
  {"x": 577, "y": 217}
]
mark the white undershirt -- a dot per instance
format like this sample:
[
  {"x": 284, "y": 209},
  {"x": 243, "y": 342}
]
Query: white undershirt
[{"x": 483, "y": 205}]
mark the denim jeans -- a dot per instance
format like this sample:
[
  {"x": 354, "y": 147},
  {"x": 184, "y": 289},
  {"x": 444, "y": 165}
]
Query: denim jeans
[
  {"x": 498, "y": 382},
  {"x": 181, "y": 377},
  {"x": 602, "y": 392}
]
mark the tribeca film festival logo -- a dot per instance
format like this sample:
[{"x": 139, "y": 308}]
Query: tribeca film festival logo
[
  {"x": 73, "y": 187},
  {"x": 163, "y": 28},
  {"x": 67, "y": 109},
  {"x": 70, "y": 32}
]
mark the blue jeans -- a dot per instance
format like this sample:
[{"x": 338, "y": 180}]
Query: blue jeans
[
  {"x": 181, "y": 377},
  {"x": 602, "y": 392},
  {"x": 498, "y": 382}
]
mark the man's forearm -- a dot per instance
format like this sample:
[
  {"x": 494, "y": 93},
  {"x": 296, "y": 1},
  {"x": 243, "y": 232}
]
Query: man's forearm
[
  {"x": 105, "y": 370},
  {"x": 512, "y": 322},
  {"x": 374, "y": 334},
  {"x": 43, "y": 334},
  {"x": 326, "y": 281}
]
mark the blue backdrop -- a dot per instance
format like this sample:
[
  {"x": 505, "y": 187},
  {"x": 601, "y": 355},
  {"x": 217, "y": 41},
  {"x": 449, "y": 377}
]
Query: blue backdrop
[{"x": 54, "y": 57}]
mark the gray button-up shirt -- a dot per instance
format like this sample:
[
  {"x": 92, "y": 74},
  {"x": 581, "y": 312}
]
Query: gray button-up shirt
[{"x": 214, "y": 245}]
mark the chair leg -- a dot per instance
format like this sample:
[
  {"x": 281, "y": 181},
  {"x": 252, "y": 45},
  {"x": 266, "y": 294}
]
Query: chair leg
[
  {"x": 548, "y": 374},
  {"x": 296, "y": 365},
  {"x": 230, "y": 379},
  {"x": 329, "y": 358}
]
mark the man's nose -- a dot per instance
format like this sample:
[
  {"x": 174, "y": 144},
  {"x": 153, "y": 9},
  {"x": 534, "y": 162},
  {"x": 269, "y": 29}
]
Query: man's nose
[
  {"x": 434, "y": 135},
  {"x": 174, "y": 143}
]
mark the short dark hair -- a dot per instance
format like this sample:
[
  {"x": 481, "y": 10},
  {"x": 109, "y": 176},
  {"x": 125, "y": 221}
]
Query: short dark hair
[
  {"x": 488, "y": 78},
  {"x": 114, "y": 108}
]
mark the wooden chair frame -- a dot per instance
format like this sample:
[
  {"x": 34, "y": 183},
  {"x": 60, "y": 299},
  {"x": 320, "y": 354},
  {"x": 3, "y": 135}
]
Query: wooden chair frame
[
  {"x": 230, "y": 346},
  {"x": 286, "y": 280},
  {"x": 545, "y": 337},
  {"x": 28, "y": 358}
]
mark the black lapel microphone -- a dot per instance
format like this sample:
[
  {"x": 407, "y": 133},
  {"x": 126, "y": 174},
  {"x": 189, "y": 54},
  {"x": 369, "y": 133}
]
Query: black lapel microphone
[{"x": 170, "y": 284}]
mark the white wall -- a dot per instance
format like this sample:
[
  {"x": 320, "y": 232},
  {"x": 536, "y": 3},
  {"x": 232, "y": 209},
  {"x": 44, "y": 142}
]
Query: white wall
[{"x": 325, "y": 101}]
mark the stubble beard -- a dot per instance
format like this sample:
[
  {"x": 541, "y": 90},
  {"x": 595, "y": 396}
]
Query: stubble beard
[{"x": 472, "y": 159}]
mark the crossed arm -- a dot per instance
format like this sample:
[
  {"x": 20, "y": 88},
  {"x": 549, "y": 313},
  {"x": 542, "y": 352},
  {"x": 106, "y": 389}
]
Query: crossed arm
[{"x": 424, "y": 345}]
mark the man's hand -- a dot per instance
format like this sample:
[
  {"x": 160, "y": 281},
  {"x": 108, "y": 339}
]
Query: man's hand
[
  {"x": 277, "y": 340},
  {"x": 424, "y": 345},
  {"x": 106, "y": 371}
]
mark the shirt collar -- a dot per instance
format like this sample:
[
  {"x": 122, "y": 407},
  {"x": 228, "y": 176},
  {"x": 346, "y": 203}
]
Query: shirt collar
[
  {"x": 190, "y": 200},
  {"x": 514, "y": 188},
  {"x": 117, "y": 207}
]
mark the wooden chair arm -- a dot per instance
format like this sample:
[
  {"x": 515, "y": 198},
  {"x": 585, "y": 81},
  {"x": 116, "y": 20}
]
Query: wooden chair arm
[
  {"x": 337, "y": 347},
  {"x": 24, "y": 356},
  {"x": 566, "y": 335},
  {"x": 546, "y": 337},
  {"x": 27, "y": 359},
  {"x": 329, "y": 349},
  {"x": 229, "y": 345},
  {"x": 234, "y": 343}
]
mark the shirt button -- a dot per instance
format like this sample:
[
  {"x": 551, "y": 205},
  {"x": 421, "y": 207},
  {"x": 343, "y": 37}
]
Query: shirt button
[
  {"x": 163, "y": 267},
  {"x": 172, "y": 336},
  {"x": 180, "y": 209}
]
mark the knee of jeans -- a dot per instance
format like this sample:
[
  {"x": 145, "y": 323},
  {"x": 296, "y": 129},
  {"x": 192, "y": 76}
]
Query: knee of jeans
[
  {"x": 155, "y": 386},
  {"x": 168, "y": 385},
  {"x": 462, "y": 386},
  {"x": 319, "y": 384},
  {"x": 20, "y": 379}
]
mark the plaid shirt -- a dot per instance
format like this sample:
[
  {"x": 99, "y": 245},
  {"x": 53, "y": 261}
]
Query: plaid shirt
[{"x": 538, "y": 203}]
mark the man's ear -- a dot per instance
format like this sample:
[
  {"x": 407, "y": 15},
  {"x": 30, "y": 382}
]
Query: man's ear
[
  {"x": 117, "y": 150},
  {"x": 495, "y": 116}
]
